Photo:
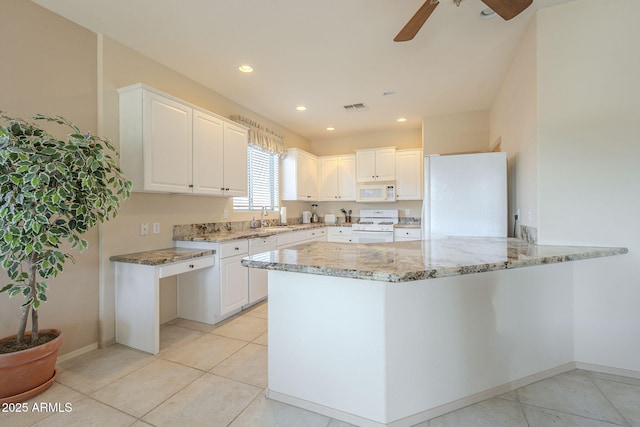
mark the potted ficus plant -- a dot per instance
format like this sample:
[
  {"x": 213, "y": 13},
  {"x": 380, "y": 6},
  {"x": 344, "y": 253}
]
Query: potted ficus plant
[{"x": 52, "y": 191}]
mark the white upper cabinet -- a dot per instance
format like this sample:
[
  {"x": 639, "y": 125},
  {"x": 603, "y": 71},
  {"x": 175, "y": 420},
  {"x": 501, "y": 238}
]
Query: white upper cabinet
[
  {"x": 409, "y": 174},
  {"x": 235, "y": 160},
  {"x": 338, "y": 177},
  {"x": 300, "y": 176},
  {"x": 376, "y": 164},
  {"x": 208, "y": 153},
  {"x": 168, "y": 145}
]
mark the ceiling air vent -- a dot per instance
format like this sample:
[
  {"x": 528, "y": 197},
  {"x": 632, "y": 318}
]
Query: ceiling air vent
[{"x": 355, "y": 107}]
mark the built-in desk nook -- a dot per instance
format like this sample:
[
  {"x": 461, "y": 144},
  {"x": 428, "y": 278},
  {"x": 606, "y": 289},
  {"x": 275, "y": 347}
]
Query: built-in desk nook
[{"x": 138, "y": 292}]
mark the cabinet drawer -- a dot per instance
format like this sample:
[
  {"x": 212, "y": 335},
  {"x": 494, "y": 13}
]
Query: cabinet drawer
[
  {"x": 314, "y": 233},
  {"x": 185, "y": 266},
  {"x": 339, "y": 231},
  {"x": 408, "y": 233},
  {"x": 236, "y": 247},
  {"x": 341, "y": 239},
  {"x": 299, "y": 236}
]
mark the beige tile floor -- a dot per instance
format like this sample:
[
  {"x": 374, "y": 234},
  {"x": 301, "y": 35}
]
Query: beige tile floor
[{"x": 216, "y": 376}]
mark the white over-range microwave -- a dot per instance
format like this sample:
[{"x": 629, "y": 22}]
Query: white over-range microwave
[{"x": 376, "y": 192}]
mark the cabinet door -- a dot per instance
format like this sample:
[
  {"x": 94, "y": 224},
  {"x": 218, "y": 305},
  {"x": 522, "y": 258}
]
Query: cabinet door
[
  {"x": 307, "y": 176},
  {"x": 208, "y": 155},
  {"x": 366, "y": 165},
  {"x": 409, "y": 175},
  {"x": 234, "y": 284},
  {"x": 347, "y": 177},
  {"x": 235, "y": 160},
  {"x": 386, "y": 164},
  {"x": 167, "y": 145},
  {"x": 328, "y": 178}
]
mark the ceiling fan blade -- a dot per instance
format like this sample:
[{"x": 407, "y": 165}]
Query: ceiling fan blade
[
  {"x": 508, "y": 9},
  {"x": 416, "y": 22}
]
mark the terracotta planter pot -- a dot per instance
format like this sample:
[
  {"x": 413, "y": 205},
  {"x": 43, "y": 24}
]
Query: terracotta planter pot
[{"x": 27, "y": 373}]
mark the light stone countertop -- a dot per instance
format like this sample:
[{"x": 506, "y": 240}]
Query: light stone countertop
[
  {"x": 250, "y": 233},
  {"x": 162, "y": 256},
  {"x": 419, "y": 260}
]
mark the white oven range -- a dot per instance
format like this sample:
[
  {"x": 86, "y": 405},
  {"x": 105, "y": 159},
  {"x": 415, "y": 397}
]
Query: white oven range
[{"x": 375, "y": 226}]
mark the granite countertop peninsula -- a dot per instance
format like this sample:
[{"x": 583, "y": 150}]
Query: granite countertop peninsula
[
  {"x": 162, "y": 256},
  {"x": 419, "y": 260}
]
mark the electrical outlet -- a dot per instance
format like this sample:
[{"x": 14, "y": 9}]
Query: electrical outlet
[
  {"x": 144, "y": 229},
  {"x": 407, "y": 212},
  {"x": 225, "y": 214},
  {"x": 156, "y": 228},
  {"x": 530, "y": 214}
]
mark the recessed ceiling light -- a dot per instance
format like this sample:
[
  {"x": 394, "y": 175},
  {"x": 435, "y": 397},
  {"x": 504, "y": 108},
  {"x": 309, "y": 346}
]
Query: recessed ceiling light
[
  {"x": 487, "y": 13},
  {"x": 301, "y": 108},
  {"x": 402, "y": 120},
  {"x": 330, "y": 129},
  {"x": 388, "y": 93},
  {"x": 246, "y": 68}
]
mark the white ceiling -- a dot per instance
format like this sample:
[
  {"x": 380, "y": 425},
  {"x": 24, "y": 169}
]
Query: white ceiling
[{"x": 323, "y": 54}]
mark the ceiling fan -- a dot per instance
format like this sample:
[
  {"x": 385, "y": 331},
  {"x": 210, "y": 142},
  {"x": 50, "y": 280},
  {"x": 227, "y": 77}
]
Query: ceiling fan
[{"x": 507, "y": 9}]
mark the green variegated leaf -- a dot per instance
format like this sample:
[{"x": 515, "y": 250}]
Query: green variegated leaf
[{"x": 51, "y": 190}]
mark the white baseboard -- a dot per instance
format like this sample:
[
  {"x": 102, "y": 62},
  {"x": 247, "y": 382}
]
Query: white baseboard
[
  {"x": 77, "y": 352},
  {"x": 427, "y": 414},
  {"x": 483, "y": 395},
  {"x": 323, "y": 410},
  {"x": 608, "y": 370}
]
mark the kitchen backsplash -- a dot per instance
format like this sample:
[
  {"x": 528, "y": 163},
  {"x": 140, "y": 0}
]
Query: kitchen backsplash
[
  {"x": 409, "y": 220},
  {"x": 529, "y": 234}
]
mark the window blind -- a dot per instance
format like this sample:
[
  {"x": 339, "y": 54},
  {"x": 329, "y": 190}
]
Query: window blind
[{"x": 264, "y": 186}]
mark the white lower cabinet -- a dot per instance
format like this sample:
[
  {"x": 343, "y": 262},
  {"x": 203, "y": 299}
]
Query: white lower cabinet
[
  {"x": 290, "y": 239},
  {"x": 317, "y": 234},
  {"x": 258, "y": 282},
  {"x": 234, "y": 278},
  {"x": 226, "y": 285},
  {"x": 406, "y": 234},
  {"x": 340, "y": 235},
  {"x": 212, "y": 294}
]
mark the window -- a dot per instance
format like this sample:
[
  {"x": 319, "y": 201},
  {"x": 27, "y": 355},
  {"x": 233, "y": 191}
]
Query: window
[{"x": 264, "y": 186}]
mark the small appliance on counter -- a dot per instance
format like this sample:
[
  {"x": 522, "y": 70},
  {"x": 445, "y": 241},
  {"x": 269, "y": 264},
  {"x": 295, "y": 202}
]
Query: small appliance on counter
[
  {"x": 283, "y": 215},
  {"x": 306, "y": 217},
  {"x": 314, "y": 213},
  {"x": 329, "y": 218}
]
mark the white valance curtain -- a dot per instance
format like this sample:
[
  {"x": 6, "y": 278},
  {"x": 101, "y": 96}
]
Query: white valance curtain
[{"x": 259, "y": 136}]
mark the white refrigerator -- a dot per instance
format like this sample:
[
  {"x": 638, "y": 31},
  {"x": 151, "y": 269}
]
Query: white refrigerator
[{"x": 465, "y": 195}]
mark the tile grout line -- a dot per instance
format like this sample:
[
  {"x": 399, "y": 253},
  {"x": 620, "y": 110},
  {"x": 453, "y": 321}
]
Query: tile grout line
[
  {"x": 610, "y": 402},
  {"x": 249, "y": 404}
]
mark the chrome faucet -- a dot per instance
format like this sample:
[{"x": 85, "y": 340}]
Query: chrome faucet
[{"x": 263, "y": 215}]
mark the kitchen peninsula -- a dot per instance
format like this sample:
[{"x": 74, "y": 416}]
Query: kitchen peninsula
[{"x": 393, "y": 334}]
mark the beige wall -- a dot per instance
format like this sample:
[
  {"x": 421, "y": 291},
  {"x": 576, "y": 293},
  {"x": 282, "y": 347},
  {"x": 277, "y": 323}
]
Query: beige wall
[
  {"x": 404, "y": 138},
  {"x": 576, "y": 80},
  {"x": 122, "y": 234},
  {"x": 456, "y": 133},
  {"x": 514, "y": 121},
  {"x": 589, "y": 133},
  {"x": 49, "y": 66}
]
